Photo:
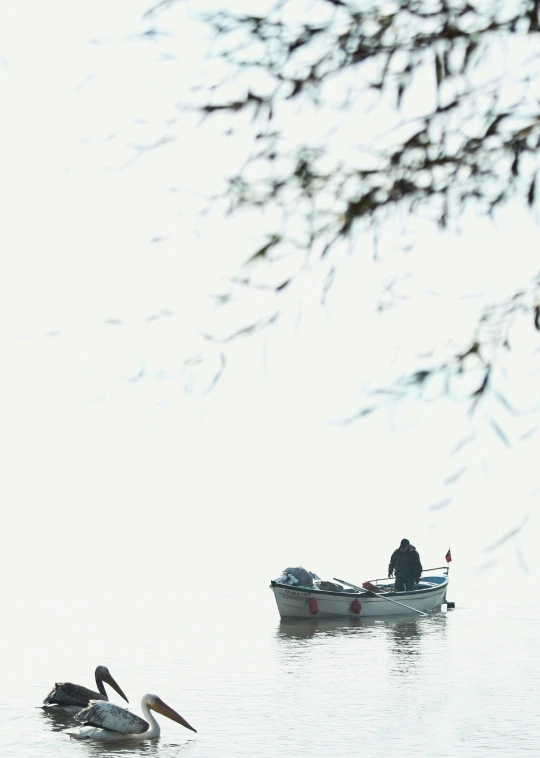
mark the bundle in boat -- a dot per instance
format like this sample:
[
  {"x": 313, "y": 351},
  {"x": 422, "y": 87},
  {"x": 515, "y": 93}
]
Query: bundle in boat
[{"x": 298, "y": 575}]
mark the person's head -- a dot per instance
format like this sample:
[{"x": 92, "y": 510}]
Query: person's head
[{"x": 404, "y": 545}]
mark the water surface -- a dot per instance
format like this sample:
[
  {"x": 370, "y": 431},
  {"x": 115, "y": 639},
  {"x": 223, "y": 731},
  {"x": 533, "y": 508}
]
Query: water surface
[{"x": 465, "y": 680}]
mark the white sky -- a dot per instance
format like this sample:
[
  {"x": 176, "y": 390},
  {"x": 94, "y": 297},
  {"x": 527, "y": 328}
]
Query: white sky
[{"x": 86, "y": 403}]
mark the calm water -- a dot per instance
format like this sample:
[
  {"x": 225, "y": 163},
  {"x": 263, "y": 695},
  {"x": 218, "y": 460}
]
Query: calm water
[
  {"x": 143, "y": 538},
  {"x": 465, "y": 680}
]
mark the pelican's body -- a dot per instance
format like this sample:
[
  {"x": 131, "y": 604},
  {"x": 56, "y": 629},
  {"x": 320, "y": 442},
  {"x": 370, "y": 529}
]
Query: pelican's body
[
  {"x": 108, "y": 722},
  {"x": 71, "y": 698}
]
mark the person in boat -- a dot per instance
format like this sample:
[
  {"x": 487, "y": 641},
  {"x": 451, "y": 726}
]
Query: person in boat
[{"x": 405, "y": 562}]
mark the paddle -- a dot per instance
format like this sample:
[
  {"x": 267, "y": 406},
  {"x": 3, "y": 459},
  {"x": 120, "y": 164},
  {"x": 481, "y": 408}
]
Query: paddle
[{"x": 380, "y": 594}]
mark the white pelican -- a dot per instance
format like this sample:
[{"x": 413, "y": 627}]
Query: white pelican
[
  {"x": 108, "y": 722},
  {"x": 66, "y": 697}
]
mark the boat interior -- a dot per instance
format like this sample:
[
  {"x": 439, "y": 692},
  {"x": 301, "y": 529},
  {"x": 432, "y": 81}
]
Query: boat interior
[{"x": 302, "y": 581}]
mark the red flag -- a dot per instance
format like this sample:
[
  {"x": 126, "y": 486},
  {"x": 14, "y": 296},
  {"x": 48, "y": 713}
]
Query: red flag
[{"x": 448, "y": 556}]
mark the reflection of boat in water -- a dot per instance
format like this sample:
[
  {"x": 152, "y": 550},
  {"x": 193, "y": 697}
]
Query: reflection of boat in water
[
  {"x": 404, "y": 637},
  {"x": 305, "y": 628},
  {"x": 373, "y": 599}
]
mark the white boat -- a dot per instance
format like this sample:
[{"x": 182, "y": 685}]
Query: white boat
[{"x": 341, "y": 599}]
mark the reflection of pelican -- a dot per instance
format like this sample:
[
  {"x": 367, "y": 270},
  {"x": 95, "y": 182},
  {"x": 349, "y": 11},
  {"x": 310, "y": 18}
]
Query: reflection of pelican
[
  {"x": 108, "y": 722},
  {"x": 70, "y": 698}
]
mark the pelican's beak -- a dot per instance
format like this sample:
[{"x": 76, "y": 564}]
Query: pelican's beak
[
  {"x": 108, "y": 678},
  {"x": 165, "y": 710}
]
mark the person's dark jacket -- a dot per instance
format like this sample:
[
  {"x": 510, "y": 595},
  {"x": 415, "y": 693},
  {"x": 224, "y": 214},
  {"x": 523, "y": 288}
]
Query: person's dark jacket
[{"x": 405, "y": 564}]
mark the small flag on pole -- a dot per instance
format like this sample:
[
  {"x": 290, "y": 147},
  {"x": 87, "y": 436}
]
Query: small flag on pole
[{"x": 448, "y": 556}]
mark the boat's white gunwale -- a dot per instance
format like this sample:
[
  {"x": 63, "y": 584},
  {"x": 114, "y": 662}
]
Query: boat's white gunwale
[{"x": 367, "y": 594}]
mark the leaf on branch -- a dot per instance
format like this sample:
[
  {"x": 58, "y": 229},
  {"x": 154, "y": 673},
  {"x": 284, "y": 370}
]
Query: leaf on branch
[
  {"x": 462, "y": 444},
  {"x": 500, "y": 433},
  {"x": 420, "y": 139},
  {"x": 485, "y": 566},
  {"x": 387, "y": 391},
  {"x": 419, "y": 377},
  {"x": 452, "y": 32},
  {"x": 532, "y": 193},
  {"x": 477, "y": 394},
  {"x": 471, "y": 47},
  {"x": 515, "y": 162},
  {"x": 253, "y": 328},
  {"x": 492, "y": 128},
  {"x": 400, "y": 93},
  {"x": 235, "y": 105},
  {"x": 263, "y": 251},
  {"x": 439, "y": 69},
  {"x": 534, "y": 25},
  {"x": 441, "y": 504},
  {"x": 449, "y": 107},
  {"x": 362, "y": 413},
  {"x": 219, "y": 373},
  {"x": 509, "y": 407},
  {"x": 508, "y": 536},
  {"x": 361, "y": 53},
  {"x": 328, "y": 282},
  {"x": 160, "y": 6},
  {"x": 454, "y": 477},
  {"x": 222, "y": 299},
  {"x": 358, "y": 208},
  {"x": 473, "y": 350}
]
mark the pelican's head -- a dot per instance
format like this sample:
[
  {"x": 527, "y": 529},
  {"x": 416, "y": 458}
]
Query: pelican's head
[
  {"x": 155, "y": 703},
  {"x": 103, "y": 673}
]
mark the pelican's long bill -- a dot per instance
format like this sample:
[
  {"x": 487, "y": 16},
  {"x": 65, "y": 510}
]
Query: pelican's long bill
[
  {"x": 165, "y": 710},
  {"x": 107, "y": 677}
]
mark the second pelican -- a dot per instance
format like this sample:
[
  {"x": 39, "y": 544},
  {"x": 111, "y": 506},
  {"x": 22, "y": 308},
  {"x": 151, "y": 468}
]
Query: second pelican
[{"x": 71, "y": 698}]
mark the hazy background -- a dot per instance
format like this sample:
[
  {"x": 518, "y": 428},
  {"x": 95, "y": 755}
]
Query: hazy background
[
  {"x": 148, "y": 497},
  {"x": 132, "y": 478}
]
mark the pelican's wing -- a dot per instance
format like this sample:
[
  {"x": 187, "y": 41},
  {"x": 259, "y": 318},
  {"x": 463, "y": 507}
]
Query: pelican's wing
[
  {"x": 66, "y": 693},
  {"x": 106, "y": 715}
]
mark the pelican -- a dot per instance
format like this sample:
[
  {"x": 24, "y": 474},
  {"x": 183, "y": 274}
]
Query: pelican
[
  {"x": 108, "y": 722},
  {"x": 71, "y": 698}
]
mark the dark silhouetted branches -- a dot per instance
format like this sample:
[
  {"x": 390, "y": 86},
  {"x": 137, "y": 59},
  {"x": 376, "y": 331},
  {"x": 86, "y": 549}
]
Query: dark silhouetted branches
[
  {"x": 438, "y": 104},
  {"x": 470, "y": 143},
  {"x": 468, "y": 136}
]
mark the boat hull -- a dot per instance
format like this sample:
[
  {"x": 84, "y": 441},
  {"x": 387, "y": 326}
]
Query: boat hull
[{"x": 299, "y": 602}]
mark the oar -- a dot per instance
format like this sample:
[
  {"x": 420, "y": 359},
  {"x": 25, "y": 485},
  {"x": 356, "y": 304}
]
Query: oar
[{"x": 381, "y": 594}]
